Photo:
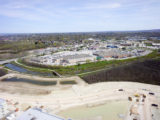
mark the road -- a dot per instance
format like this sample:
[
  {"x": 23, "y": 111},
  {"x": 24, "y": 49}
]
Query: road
[
  {"x": 7, "y": 61},
  {"x": 10, "y": 60}
]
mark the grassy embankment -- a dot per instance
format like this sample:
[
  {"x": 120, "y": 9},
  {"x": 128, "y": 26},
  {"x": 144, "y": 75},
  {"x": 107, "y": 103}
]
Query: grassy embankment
[
  {"x": 29, "y": 67},
  {"x": 88, "y": 67}
]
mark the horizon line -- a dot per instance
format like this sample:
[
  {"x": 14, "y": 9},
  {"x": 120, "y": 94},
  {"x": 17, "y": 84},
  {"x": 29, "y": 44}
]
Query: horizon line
[{"x": 82, "y": 31}]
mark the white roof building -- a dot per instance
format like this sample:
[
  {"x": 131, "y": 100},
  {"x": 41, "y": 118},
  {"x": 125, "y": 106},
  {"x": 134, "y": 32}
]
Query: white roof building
[
  {"x": 3, "y": 108},
  {"x": 65, "y": 58},
  {"x": 37, "y": 114}
]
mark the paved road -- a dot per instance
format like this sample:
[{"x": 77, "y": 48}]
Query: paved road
[
  {"x": 10, "y": 60},
  {"x": 7, "y": 61}
]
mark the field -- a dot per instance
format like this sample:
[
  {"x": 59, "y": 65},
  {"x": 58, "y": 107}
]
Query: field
[
  {"x": 15, "y": 49},
  {"x": 19, "y": 46}
]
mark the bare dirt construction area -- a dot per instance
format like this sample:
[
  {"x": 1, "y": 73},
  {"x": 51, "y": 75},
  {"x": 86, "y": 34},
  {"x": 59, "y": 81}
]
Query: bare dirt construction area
[
  {"x": 36, "y": 91},
  {"x": 63, "y": 98},
  {"x": 35, "y": 85},
  {"x": 23, "y": 88}
]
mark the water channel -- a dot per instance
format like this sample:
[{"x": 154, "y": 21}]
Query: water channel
[
  {"x": 26, "y": 71},
  {"x": 36, "y": 82}
]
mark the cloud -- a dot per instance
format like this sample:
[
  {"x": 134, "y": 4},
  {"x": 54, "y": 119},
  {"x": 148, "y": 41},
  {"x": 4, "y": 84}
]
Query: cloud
[
  {"x": 21, "y": 15},
  {"x": 42, "y": 9},
  {"x": 98, "y": 6},
  {"x": 25, "y": 10},
  {"x": 78, "y": 15},
  {"x": 103, "y": 6},
  {"x": 114, "y": 5}
]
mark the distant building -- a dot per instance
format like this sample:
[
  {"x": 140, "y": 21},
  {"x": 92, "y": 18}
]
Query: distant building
[
  {"x": 156, "y": 45},
  {"x": 112, "y": 53},
  {"x": 65, "y": 58},
  {"x": 77, "y": 58},
  {"x": 125, "y": 44},
  {"x": 37, "y": 114},
  {"x": 111, "y": 46}
]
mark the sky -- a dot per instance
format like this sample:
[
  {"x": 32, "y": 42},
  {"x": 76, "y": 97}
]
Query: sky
[{"x": 50, "y": 16}]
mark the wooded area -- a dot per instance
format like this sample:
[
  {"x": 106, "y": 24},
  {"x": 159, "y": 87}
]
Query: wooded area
[{"x": 144, "y": 72}]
